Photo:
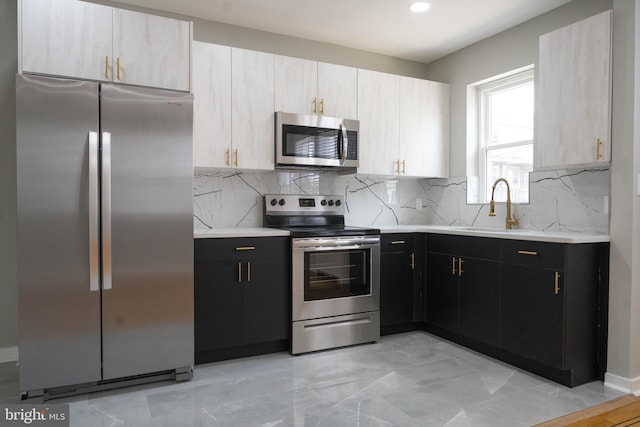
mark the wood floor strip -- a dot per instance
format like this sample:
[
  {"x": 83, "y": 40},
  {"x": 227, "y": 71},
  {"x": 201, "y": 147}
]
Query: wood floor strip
[{"x": 628, "y": 406}]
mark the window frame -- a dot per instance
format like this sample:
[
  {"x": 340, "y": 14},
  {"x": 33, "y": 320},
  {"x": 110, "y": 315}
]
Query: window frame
[{"x": 483, "y": 90}]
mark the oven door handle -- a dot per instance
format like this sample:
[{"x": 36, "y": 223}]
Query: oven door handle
[{"x": 337, "y": 244}]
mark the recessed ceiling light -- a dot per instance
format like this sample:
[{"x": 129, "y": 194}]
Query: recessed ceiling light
[{"x": 419, "y": 6}]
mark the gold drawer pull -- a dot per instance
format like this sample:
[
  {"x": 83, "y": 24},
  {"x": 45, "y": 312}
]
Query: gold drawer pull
[
  {"x": 598, "y": 145},
  {"x": 246, "y": 248},
  {"x": 106, "y": 67},
  {"x": 528, "y": 253},
  {"x": 557, "y": 282},
  {"x": 413, "y": 261},
  {"x": 453, "y": 266},
  {"x": 460, "y": 261},
  {"x": 398, "y": 242}
]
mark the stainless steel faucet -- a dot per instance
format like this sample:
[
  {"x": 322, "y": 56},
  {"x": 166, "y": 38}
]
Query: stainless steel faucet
[{"x": 511, "y": 220}]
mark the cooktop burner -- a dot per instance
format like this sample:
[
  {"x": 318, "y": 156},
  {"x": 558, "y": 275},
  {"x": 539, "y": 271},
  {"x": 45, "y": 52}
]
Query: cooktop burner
[{"x": 310, "y": 216}]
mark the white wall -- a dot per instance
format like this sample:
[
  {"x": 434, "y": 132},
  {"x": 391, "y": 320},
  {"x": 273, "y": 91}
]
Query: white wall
[{"x": 623, "y": 370}]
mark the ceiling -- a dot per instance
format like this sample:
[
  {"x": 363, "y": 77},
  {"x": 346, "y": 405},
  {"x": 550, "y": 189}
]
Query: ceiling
[{"x": 381, "y": 26}]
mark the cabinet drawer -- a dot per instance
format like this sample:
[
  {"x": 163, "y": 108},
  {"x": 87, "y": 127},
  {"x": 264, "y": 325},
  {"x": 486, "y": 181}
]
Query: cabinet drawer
[
  {"x": 400, "y": 242},
  {"x": 537, "y": 254},
  {"x": 241, "y": 248},
  {"x": 464, "y": 246}
]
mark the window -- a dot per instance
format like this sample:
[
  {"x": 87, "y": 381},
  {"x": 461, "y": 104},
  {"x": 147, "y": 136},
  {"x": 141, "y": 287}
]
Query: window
[{"x": 504, "y": 138}]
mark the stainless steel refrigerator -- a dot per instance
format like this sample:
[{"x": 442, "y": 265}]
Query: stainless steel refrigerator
[{"x": 105, "y": 234}]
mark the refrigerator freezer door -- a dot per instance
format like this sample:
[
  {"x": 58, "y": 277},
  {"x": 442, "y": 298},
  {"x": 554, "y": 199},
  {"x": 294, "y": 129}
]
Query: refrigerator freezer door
[
  {"x": 59, "y": 304},
  {"x": 148, "y": 312}
]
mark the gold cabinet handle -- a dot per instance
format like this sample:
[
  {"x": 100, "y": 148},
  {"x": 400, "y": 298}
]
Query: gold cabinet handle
[
  {"x": 322, "y": 106},
  {"x": 557, "y": 280},
  {"x": 239, "y": 272},
  {"x": 413, "y": 261},
  {"x": 528, "y": 253},
  {"x": 106, "y": 67},
  {"x": 598, "y": 145},
  {"x": 398, "y": 242},
  {"x": 460, "y": 261},
  {"x": 118, "y": 66},
  {"x": 228, "y": 157},
  {"x": 236, "y": 153},
  {"x": 453, "y": 266},
  {"x": 404, "y": 170},
  {"x": 248, "y": 271},
  {"x": 246, "y": 248},
  {"x": 397, "y": 169},
  {"x": 315, "y": 105}
]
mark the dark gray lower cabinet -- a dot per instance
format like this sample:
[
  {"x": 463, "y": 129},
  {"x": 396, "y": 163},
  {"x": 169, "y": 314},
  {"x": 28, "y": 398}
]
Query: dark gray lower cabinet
[
  {"x": 463, "y": 277},
  {"x": 242, "y": 297},
  {"x": 532, "y": 304},
  {"x": 399, "y": 276},
  {"x": 550, "y": 306}
]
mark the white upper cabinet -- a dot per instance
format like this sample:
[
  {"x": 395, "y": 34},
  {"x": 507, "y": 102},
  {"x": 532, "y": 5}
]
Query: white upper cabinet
[
  {"x": 296, "y": 85},
  {"x": 151, "y": 50},
  {"x": 379, "y": 114},
  {"x": 211, "y": 105},
  {"x": 233, "y": 115},
  {"x": 252, "y": 109},
  {"x": 573, "y": 103},
  {"x": 424, "y": 128},
  {"x": 72, "y": 38},
  {"x": 310, "y": 87},
  {"x": 404, "y": 125},
  {"x": 67, "y": 38},
  {"x": 338, "y": 90}
]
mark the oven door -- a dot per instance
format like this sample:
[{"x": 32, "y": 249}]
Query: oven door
[{"x": 335, "y": 276}]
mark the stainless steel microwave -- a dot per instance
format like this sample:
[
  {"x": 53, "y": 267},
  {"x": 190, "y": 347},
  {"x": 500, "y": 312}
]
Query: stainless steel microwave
[{"x": 316, "y": 140}]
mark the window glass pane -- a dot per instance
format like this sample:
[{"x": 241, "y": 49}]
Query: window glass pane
[
  {"x": 514, "y": 164},
  {"x": 511, "y": 115}
]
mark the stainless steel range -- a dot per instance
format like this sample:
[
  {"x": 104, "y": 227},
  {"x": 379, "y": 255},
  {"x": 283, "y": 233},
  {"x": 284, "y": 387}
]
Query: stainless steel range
[{"x": 335, "y": 272}]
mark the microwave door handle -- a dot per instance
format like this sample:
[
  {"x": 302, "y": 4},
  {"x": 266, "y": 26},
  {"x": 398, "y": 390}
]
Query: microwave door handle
[{"x": 344, "y": 143}]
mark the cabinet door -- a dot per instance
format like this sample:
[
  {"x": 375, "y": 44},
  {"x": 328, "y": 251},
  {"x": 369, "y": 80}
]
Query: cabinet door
[
  {"x": 396, "y": 288},
  {"x": 252, "y": 109},
  {"x": 296, "y": 85},
  {"x": 266, "y": 300},
  {"x": 424, "y": 128},
  {"x": 378, "y": 112},
  {"x": 211, "y": 105},
  {"x": 152, "y": 50},
  {"x": 532, "y": 313},
  {"x": 480, "y": 300},
  {"x": 442, "y": 297},
  {"x": 66, "y": 38},
  {"x": 218, "y": 310},
  {"x": 338, "y": 90},
  {"x": 574, "y": 94}
]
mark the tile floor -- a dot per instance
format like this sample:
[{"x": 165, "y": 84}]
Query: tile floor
[{"x": 411, "y": 379}]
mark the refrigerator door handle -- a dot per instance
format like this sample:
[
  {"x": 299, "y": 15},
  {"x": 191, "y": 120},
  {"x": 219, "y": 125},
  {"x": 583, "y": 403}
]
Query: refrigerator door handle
[
  {"x": 94, "y": 220},
  {"x": 106, "y": 211}
]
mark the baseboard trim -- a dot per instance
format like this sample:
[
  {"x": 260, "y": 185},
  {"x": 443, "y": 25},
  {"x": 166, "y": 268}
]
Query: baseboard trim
[
  {"x": 8, "y": 354},
  {"x": 622, "y": 384}
]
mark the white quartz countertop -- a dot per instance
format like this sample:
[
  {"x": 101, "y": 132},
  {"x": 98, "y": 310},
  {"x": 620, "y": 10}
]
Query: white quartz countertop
[
  {"x": 515, "y": 234},
  {"x": 239, "y": 232}
]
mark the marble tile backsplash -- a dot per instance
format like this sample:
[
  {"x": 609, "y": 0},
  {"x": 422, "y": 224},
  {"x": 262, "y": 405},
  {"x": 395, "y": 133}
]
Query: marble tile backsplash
[{"x": 560, "y": 200}]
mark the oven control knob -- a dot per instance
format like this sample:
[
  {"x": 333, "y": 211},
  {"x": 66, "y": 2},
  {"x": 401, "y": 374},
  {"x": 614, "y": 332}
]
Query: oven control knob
[
  {"x": 274, "y": 202},
  {"x": 330, "y": 202},
  {"x": 338, "y": 202},
  {"x": 281, "y": 202},
  {"x": 323, "y": 203}
]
